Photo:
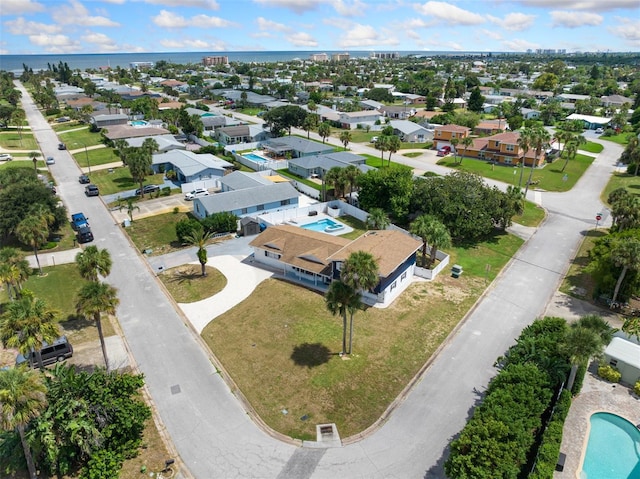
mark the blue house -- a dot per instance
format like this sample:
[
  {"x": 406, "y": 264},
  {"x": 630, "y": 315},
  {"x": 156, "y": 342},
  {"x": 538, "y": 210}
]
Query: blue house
[{"x": 190, "y": 166}]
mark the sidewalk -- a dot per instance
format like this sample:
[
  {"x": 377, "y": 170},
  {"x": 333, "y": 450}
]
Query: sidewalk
[{"x": 52, "y": 258}]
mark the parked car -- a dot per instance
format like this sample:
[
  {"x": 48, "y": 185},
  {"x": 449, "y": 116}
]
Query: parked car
[
  {"x": 84, "y": 235},
  {"x": 62, "y": 146},
  {"x": 84, "y": 180},
  {"x": 6, "y": 157},
  {"x": 91, "y": 190},
  {"x": 60, "y": 350},
  {"x": 599, "y": 131},
  {"x": 444, "y": 151},
  {"x": 373, "y": 139},
  {"x": 196, "y": 194},
  {"x": 79, "y": 220},
  {"x": 51, "y": 160},
  {"x": 63, "y": 119},
  {"x": 148, "y": 189}
]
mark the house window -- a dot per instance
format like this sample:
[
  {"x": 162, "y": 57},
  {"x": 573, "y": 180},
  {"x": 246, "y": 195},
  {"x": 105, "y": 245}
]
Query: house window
[
  {"x": 269, "y": 254},
  {"x": 404, "y": 275},
  {"x": 510, "y": 148},
  {"x": 285, "y": 202},
  {"x": 613, "y": 363},
  {"x": 393, "y": 286},
  {"x": 244, "y": 211},
  {"x": 508, "y": 161},
  {"x": 260, "y": 207}
]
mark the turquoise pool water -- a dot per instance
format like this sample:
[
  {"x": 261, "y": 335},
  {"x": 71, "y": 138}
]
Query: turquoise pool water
[
  {"x": 322, "y": 225},
  {"x": 613, "y": 450},
  {"x": 256, "y": 158},
  {"x": 138, "y": 123}
]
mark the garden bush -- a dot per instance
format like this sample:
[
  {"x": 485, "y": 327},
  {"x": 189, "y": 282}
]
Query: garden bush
[
  {"x": 186, "y": 227},
  {"x": 577, "y": 384},
  {"x": 609, "y": 373},
  {"x": 636, "y": 388},
  {"x": 165, "y": 191}
]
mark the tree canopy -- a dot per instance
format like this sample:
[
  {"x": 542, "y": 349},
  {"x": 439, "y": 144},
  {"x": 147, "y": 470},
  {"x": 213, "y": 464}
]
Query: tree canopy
[{"x": 283, "y": 118}]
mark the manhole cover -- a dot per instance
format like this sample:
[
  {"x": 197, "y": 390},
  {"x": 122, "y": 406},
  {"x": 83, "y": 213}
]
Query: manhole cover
[{"x": 176, "y": 389}]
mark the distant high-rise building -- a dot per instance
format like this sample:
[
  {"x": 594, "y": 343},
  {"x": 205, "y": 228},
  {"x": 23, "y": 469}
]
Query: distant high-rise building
[
  {"x": 338, "y": 57},
  {"x": 384, "y": 55},
  {"x": 319, "y": 57},
  {"x": 141, "y": 65},
  {"x": 219, "y": 60}
]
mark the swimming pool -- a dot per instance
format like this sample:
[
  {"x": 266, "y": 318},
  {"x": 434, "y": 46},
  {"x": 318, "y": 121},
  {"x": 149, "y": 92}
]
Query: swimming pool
[
  {"x": 138, "y": 123},
  {"x": 613, "y": 449},
  {"x": 254, "y": 157},
  {"x": 324, "y": 225}
]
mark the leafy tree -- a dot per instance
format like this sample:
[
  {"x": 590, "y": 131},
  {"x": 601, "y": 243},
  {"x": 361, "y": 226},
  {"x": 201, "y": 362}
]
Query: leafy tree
[
  {"x": 476, "y": 100},
  {"x": 389, "y": 188},
  {"x": 433, "y": 232},
  {"x": 546, "y": 82},
  {"x": 631, "y": 326},
  {"x": 14, "y": 271},
  {"x": 199, "y": 239},
  {"x": 186, "y": 227},
  {"x": 539, "y": 138},
  {"x": 324, "y": 130},
  {"x": 625, "y": 210},
  {"x": 22, "y": 398},
  {"x": 339, "y": 299},
  {"x": 27, "y": 323},
  {"x": 393, "y": 145},
  {"x": 284, "y": 118},
  {"x": 94, "y": 299},
  {"x": 379, "y": 94},
  {"x": 93, "y": 262},
  {"x": 377, "y": 219},
  {"x": 222, "y": 222}
]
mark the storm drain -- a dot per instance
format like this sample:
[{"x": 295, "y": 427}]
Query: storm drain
[{"x": 327, "y": 433}]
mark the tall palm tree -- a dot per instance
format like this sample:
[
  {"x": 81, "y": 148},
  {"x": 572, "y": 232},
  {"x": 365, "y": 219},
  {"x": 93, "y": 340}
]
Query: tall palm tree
[
  {"x": 572, "y": 148},
  {"x": 130, "y": 205},
  {"x": 524, "y": 144},
  {"x": 625, "y": 253},
  {"x": 92, "y": 262},
  {"x": 27, "y": 323},
  {"x": 563, "y": 137},
  {"x": 339, "y": 299},
  {"x": 580, "y": 345},
  {"x": 454, "y": 144},
  {"x": 34, "y": 231},
  {"x": 121, "y": 149},
  {"x": 22, "y": 398},
  {"x": 139, "y": 162},
  {"x": 540, "y": 140},
  {"x": 14, "y": 270},
  {"x": 467, "y": 141},
  {"x": 382, "y": 144},
  {"x": 324, "y": 130},
  {"x": 95, "y": 298},
  {"x": 393, "y": 145},
  {"x": 431, "y": 230},
  {"x": 333, "y": 178},
  {"x": 345, "y": 138},
  {"x": 351, "y": 174},
  {"x": 360, "y": 272},
  {"x": 377, "y": 219},
  {"x": 199, "y": 238}
]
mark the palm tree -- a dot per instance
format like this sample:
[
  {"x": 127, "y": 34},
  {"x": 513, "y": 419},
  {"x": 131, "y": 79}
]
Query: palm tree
[
  {"x": 393, "y": 145},
  {"x": 467, "y": 141},
  {"x": 382, "y": 144},
  {"x": 540, "y": 139},
  {"x": 324, "y": 130},
  {"x": 454, "y": 143},
  {"x": 339, "y": 299},
  {"x": 626, "y": 253},
  {"x": 563, "y": 137},
  {"x": 431, "y": 230},
  {"x": 139, "y": 163},
  {"x": 517, "y": 198},
  {"x": 121, "y": 148},
  {"x": 351, "y": 174},
  {"x": 524, "y": 144},
  {"x": 14, "y": 270},
  {"x": 199, "y": 238},
  {"x": 130, "y": 205},
  {"x": 345, "y": 138},
  {"x": 333, "y": 178},
  {"x": 572, "y": 148},
  {"x": 377, "y": 219},
  {"x": 360, "y": 272},
  {"x": 22, "y": 398},
  {"x": 580, "y": 344},
  {"x": 34, "y": 231},
  {"x": 27, "y": 323},
  {"x": 309, "y": 123},
  {"x": 94, "y": 299},
  {"x": 93, "y": 262},
  {"x": 631, "y": 326}
]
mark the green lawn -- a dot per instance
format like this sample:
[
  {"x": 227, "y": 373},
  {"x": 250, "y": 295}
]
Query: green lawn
[
  {"x": 375, "y": 161},
  {"x": 621, "y": 139},
  {"x": 304, "y": 181},
  {"x": 577, "y": 282},
  {"x": 186, "y": 284},
  {"x": 280, "y": 346},
  {"x": 119, "y": 180},
  {"x": 549, "y": 178},
  {"x": 79, "y": 138},
  {"x": 592, "y": 147},
  {"x": 532, "y": 216},
  {"x": 414, "y": 154},
  {"x": 621, "y": 180},
  {"x": 96, "y": 157},
  {"x": 11, "y": 140},
  {"x": 157, "y": 233},
  {"x": 68, "y": 125},
  {"x": 359, "y": 227}
]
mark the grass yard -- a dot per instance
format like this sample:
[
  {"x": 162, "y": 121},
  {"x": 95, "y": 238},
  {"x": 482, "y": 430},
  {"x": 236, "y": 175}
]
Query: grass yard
[
  {"x": 157, "y": 232},
  {"x": 119, "y": 180},
  {"x": 11, "y": 140},
  {"x": 304, "y": 181},
  {"x": 414, "y": 154},
  {"x": 68, "y": 125},
  {"x": 77, "y": 138},
  {"x": 621, "y": 180},
  {"x": 375, "y": 161},
  {"x": 359, "y": 227},
  {"x": 592, "y": 147},
  {"x": 549, "y": 178},
  {"x": 532, "y": 216},
  {"x": 100, "y": 156},
  {"x": 187, "y": 285},
  {"x": 621, "y": 139},
  {"x": 281, "y": 346},
  {"x": 577, "y": 282}
]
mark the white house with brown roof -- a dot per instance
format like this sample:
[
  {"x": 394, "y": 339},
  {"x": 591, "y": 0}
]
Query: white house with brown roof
[{"x": 315, "y": 259}]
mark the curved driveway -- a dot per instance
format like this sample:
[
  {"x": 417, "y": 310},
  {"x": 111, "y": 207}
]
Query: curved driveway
[{"x": 212, "y": 432}]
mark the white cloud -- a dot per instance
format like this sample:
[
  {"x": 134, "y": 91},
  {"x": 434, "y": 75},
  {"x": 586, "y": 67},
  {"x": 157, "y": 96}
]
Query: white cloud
[
  {"x": 194, "y": 45},
  {"x": 166, "y": 19},
  {"x": 297, "y": 6},
  {"x": 55, "y": 43},
  {"x": 76, "y": 14},
  {"x": 450, "y": 13},
  {"x": 365, "y": 36},
  {"x": 518, "y": 45},
  {"x": 418, "y": 23},
  {"x": 355, "y": 9},
  {"x": 102, "y": 41},
  {"x": 491, "y": 34},
  {"x": 115, "y": 2},
  {"x": 262, "y": 35},
  {"x": 20, "y": 26},
  {"x": 264, "y": 24},
  {"x": 302, "y": 39},
  {"x": 628, "y": 30},
  {"x": 435, "y": 43},
  {"x": 206, "y": 4},
  {"x": 592, "y": 5},
  {"x": 575, "y": 19},
  {"x": 517, "y": 22},
  {"x": 20, "y": 7}
]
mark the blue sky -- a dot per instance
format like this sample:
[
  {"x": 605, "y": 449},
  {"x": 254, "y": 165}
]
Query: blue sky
[{"x": 121, "y": 26}]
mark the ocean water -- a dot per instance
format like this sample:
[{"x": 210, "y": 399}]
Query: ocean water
[{"x": 97, "y": 60}]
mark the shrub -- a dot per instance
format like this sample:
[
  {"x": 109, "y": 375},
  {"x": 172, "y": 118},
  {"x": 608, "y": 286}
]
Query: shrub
[
  {"x": 609, "y": 373},
  {"x": 185, "y": 228},
  {"x": 577, "y": 384},
  {"x": 636, "y": 388},
  {"x": 165, "y": 191}
]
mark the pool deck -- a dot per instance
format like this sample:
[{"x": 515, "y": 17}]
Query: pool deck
[
  {"x": 597, "y": 395},
  {"x": 304, "y": 220}
]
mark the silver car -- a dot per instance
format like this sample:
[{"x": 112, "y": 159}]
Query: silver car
[{"x": 196, "y": 194}]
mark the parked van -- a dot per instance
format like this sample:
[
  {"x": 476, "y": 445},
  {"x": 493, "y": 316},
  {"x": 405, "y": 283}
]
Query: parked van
[{"x": 60, "y": 350}]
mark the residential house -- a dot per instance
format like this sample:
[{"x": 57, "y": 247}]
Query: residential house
[
  {"x": 315, "y": 259},
  {"x": 295, "y": 147},
  {"x": 457, "y": 102},
  {"x": 624, "y": 355},
  {"x": 590, "y": 122},
  {"x": 529, "y": 114},
  {"x": 248, "y": 201},
  {"x": 502, "y": 149},
  {"x": 165, "y": 142},
  {"x": 490, "y": 127},
  {"x": 308, "y": 166},
  {"x": 189, "y": 166},
  {"x": 397, "y": 112},
  {"x": 615, "y": 101},
  {"x": 443, "y": 134},
  {"x": 410, "y": 98},
  {"x": 410, "y": 132},
  {"x": 102, "y": 120},
  {"x": 233, "y": 135},
  {"x": 123, "y": 132},
  {"x": 241, "y": 180},
  {"x": 351, "y": 120},
  {"x": 371, "y": 105}
]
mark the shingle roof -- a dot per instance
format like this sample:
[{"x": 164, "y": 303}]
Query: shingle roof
[
  {"x": 240, "y": 180},
  {"x": 454, "y": 128},
  {"x": 287, "y": 143},
  {"x": 191, "y": 163},
  {"x": 236, "y": 200}
]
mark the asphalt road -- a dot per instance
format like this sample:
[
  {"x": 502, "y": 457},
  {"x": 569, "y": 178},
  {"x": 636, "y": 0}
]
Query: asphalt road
[{"x": 214, "y": 434}]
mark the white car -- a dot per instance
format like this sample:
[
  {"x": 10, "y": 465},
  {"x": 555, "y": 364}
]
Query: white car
[
  {"x": 51, "y": 160},
  {"x": 6, "y": 157},
  {"x": 599, "y": 131},
  {"x": 196, "y": 194}
]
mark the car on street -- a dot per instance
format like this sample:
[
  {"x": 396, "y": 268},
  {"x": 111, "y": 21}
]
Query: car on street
[
  {"x": 599, "y": 131},
  {"x": 79, "y": 220},
  {"x": 148, "y": 189},
  {"x": 51, "y": 160},
  {"x": 373, "y": 139},
  {"x": 91, "y": 190},
  {"x": 197, "y": 193},
  {"x": 6, "y": 157},
  {"x": 62, "y": 146},
  {"x": 84, "y": 179}
]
